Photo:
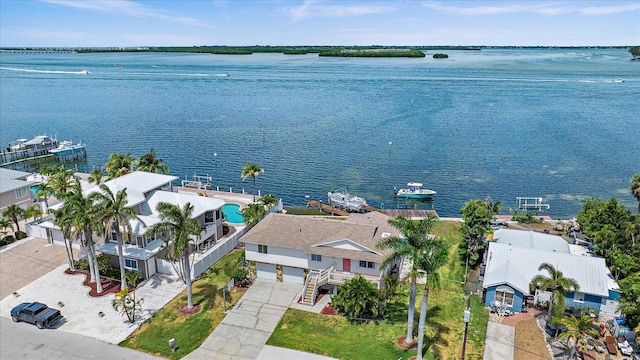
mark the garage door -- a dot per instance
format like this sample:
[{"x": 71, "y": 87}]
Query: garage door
[
  {"x": 266, "y": 271},
  {"x": 292, "y": 275}
]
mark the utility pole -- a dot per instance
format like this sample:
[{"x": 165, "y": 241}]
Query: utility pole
[{"x": 465, "y": 318}]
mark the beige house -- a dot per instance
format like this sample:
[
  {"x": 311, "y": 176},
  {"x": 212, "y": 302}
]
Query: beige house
[
  {"x": 14, "y": 189},
  {"x": 318, "y": 251}
]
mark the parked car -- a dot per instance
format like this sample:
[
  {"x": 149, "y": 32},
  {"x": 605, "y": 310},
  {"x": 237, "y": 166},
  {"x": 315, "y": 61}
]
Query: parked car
[{"x": 36, "y": 313}]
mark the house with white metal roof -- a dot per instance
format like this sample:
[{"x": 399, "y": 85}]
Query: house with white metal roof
[
  {"x": 14, "y": 189},
  {"x": 514, "y": 256},
  {"x": 145, "y": 191}
]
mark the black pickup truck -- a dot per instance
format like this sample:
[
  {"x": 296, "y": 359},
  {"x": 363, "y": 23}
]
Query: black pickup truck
[{"x": 35, "y": 313}]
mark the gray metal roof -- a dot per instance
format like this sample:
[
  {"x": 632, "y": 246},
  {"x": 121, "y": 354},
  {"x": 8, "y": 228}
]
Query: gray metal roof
[
  {"x": 7, "y": 185},
  {"x": 531, "y": 240},
  {"x": 13, "y": 174},
  {"x": 516, "y": 266}
]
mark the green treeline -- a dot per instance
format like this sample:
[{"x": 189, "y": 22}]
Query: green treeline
[{"x": 351, "y": 51}]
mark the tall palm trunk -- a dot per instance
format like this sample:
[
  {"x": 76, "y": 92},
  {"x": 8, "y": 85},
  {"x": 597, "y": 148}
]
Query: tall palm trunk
[
  {"x": 87, "y": 250},
  {"x": 72, "y": 266},
  {"x": 254, "y": 189},
  {"x": 91, "y": 257},
  {"x": 412, "y": 309},
  {"x": 187, "y": 275},
  {"x": 123, "y": 279},
  {"x": 421, "y": 323}
]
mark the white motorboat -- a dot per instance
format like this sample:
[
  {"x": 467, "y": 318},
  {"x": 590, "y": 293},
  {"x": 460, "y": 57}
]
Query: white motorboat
[
  {"x": 342, "y": 199},
  {"x": 67, "y": 147},
  {"x": 40, "y": 142},
  {"x": 414, "y": 191}
]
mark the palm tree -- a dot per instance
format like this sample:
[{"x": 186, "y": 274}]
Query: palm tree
[
  {"x": 62, "y": 183},
  {"x": 43, "y": 190},
  {"x": 13, "y": 212},
  {"x": 96, "y": 176},
  {"x": 181, "y": 226},
  {"x": 251, "y": 170},
  {"x": 119, "y": 164},
  {"x": 150, "y": 163},
  {"x": 432, "y": 258},
  {"x": 414, "y": 237},
  {"x": 32, "y": 211},
  {"x": 112, "y": 210},
  {"x": 635, "y": 188},
  {"x": 80, "y": 207},
  {"x": 558, "y": 284},
  {"x": 269, "y": 201},
  {"x": 578, "y": 329},
  {"x": 357, "y": 297},
  {"x": 64, "y": 220},
  {"x": 4, "y": 225},
  {"x": 253, "y": 213}
]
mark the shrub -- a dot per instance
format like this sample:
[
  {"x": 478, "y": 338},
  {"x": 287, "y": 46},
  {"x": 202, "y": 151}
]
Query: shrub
[
  {"x": 82, "y": 264},
  {"x": 3, "y": 242},
  {"x": 20, "y": 235},
  {"x": 9, "y": 239}
]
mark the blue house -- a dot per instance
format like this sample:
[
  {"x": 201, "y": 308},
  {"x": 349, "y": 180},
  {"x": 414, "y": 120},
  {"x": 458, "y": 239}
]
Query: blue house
[{"x": 512, "y": 260}]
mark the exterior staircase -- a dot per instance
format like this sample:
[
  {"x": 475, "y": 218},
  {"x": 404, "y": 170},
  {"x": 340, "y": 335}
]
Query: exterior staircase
[{"x": 315, "y": 279}]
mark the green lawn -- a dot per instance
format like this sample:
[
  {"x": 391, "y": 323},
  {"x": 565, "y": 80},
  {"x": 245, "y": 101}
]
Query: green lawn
[
  {"x": 188, "y": 331},
  {"x": 336, "y": 337}
]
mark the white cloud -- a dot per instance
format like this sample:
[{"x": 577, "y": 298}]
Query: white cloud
[
  {"x": 544, "y": 9},
  {"x": 318, "y": 9},
  {"x": 129, "y": 8},
  {"x": 606, "y": 10}
]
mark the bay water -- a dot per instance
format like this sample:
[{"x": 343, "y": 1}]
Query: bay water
[{"x": 498, "y": 123}]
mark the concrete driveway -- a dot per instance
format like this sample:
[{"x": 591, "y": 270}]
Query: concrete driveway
[
  {"x": 26, "y": 260},
  {"x": 499, "y": 342},
  {"x": 82, "y": 312},
  {"x": 244, "y": 331}
]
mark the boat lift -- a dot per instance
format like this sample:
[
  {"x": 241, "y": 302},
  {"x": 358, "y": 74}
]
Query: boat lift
[
  {"x": 531, "y": 203},
  {"x": 200, "y": 182}
]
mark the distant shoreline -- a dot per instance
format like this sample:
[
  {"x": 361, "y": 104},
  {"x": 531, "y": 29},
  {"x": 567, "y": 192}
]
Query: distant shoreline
[{"x": 343, "y": 51}]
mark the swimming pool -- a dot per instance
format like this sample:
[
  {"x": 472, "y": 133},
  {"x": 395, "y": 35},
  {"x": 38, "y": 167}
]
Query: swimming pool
[{"x": 232, "y": 213}]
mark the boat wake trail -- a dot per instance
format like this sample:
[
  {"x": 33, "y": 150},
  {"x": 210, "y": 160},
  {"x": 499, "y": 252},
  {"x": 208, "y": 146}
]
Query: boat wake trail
[{"x": 81, "y": 72}]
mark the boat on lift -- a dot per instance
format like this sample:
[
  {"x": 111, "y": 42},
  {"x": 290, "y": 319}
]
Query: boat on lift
[{"x": 343, "y": 200}]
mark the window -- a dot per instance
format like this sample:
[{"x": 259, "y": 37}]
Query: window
[
  {"x": 316, "y": 257},
  {"x": 217, "y": 214},
  {"x": 114, "y": 236},
  {"x": 578, "y": 297},
  {"x": 208, "y": 217},
  {"x": 131, "y": 264},
  {"x": 262, "y": 249},
  {"x": 22, "y": 192},
  {"x": 504, "y": 295},
  {"x": 367, "y": 264}
]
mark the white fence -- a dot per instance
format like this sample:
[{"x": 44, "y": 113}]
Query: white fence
[{"x": 208, "y": 259}]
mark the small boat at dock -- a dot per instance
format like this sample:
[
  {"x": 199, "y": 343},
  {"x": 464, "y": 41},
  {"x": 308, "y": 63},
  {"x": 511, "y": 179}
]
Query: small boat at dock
[
  {"x": 414, "y": 191},
  {"x": 40, "y": 142},
  {"x": 343, "y": 200},
  {"x": 67, "y": 147}
]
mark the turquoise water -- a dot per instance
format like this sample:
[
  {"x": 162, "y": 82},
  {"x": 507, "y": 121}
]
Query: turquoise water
[
  {"x": 491, "y": 123},
  {"x": 232, "y": 213}
]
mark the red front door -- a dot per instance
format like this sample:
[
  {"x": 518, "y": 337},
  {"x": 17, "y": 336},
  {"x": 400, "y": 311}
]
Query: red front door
[{"x": 346, "y": 265}]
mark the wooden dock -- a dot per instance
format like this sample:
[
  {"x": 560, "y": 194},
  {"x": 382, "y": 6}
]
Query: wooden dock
[
  {"x": 413, "y": 214},
  {"x": 326, "y": 208}
]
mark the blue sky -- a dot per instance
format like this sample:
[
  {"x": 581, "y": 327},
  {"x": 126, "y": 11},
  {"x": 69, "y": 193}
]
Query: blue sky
[{"x": 81, "y": 23}]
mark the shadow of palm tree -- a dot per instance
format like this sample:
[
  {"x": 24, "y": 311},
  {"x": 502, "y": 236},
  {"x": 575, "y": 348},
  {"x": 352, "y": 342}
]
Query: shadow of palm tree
[{"x": 438, "y": 331}]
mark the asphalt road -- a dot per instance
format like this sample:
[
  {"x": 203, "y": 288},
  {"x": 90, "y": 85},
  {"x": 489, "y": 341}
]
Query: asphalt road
[{"x": 25, "y": 341}]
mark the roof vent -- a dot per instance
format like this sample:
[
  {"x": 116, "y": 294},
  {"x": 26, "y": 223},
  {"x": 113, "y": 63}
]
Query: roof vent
[{"x": 385, "y": 235}]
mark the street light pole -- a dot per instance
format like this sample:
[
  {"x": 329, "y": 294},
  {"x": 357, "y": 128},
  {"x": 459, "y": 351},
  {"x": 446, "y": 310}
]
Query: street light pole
[{"x": 465, "y": 318}]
